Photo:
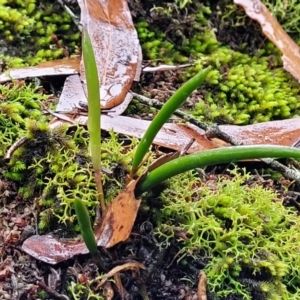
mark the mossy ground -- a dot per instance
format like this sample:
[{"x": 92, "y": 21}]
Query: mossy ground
[{"x": 233, "y": 226}]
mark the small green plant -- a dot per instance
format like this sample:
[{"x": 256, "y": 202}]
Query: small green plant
[
  {"x": 94, "y": 112},
  {"x": 195, "y": 160},
  {"x": 85, "y": 226}
]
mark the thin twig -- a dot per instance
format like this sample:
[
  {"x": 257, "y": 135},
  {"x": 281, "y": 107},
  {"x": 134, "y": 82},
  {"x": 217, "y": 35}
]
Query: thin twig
[
  {"x": 178, "y": 113},
  {"x": 70, "y": 13},
  {"x": 17, "y": 144},
  {"x": 214, "y": 131},
  {"x": 51, "y": 292}
]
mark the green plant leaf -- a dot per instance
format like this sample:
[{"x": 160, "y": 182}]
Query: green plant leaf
[
  {"x": 85, "y": 226},
  {"x": 94, "y": 108},
  {"x": 212, "y": 157},
  {"x": 164, "y": 114}
]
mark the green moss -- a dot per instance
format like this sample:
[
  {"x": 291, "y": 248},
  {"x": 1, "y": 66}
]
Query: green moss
[
  {"x": 175, "y": 37},
  {"x": 80, "y": 291},
  {"x": 244, "y": 89},
  {"x": 287, "y": 14},
  {"x": 250, "y": 240},
  {"x": 34, "y": 31},
  {"x": 247, "y": 85},
  {"x": 55, "y": 166},
  {"x": 18, "y": 103}
]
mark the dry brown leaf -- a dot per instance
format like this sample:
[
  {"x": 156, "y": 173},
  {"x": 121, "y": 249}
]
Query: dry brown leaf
[
  {"x": 176, "y": 136},
  {"x": 73, "y": 94},
  {"x": 66, "y": 66},
  {"x": 173, "y": 136},
  {"x": 281, "y": 133},
  {"x": 115, "y": 227},
  {"x": 119, "y": 217},
  {"x": 116, "y": 47},
  {"x": 274, "y": 32},
  {"x": 51, "y": 250}
]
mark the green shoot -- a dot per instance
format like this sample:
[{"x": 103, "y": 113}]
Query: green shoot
[
  {"x": 94, "y": 111},
  {"x": 164, "y": 114},
  {"x": 85, "y": 226},
  {"x": 211, "y": 157}
]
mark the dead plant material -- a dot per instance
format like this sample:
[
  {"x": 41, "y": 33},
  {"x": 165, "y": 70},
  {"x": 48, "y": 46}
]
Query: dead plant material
[
  {"x": 116, "y": 47},
  {"x": 119, "y": 218},
  {"x": 275, "y": 33},
  {"x": 51, "y": 292},
  {"x": 66, "y": 66},
  {"x": 135, "y": 266},
  {"x": 201, "y": 291},
  {"x": 115, "y": 227}
]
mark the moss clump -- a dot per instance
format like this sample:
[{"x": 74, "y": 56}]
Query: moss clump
[
  {"x": 18, "y": 103},
  {"x": 55, "y": 166},
  {"x": 243, "y": 89},
  {"x": 35, "y": 31},
  {"x": 247, "y": 85},
  {"x": 249, "y": 238},
  {"x": 176, "y": 36}
]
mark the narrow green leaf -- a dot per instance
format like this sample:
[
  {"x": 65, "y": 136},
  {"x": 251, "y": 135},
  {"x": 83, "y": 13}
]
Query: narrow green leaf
[
  {"x": 212, "y": 157},
  {"x": 94, "y": 108},
  {"x": 85, "y": 226},
  {"x": 164, "y": 114}
]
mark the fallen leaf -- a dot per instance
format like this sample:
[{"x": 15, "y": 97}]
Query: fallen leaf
[
  {"x": 73, "y": 94},
  {"x": 52, "y": 251},
  {"x": 282, "y": 133},
  {"x": 177, "y": 136},
  {"x": 66, "y": 66},
  {"x": 119, "y": 217},
  {"x": 116, "y": 48},
  {"x": 274, "y": 32},
  {"x": 173, "y": 136},
  {"x": 115, "y": 227}
]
